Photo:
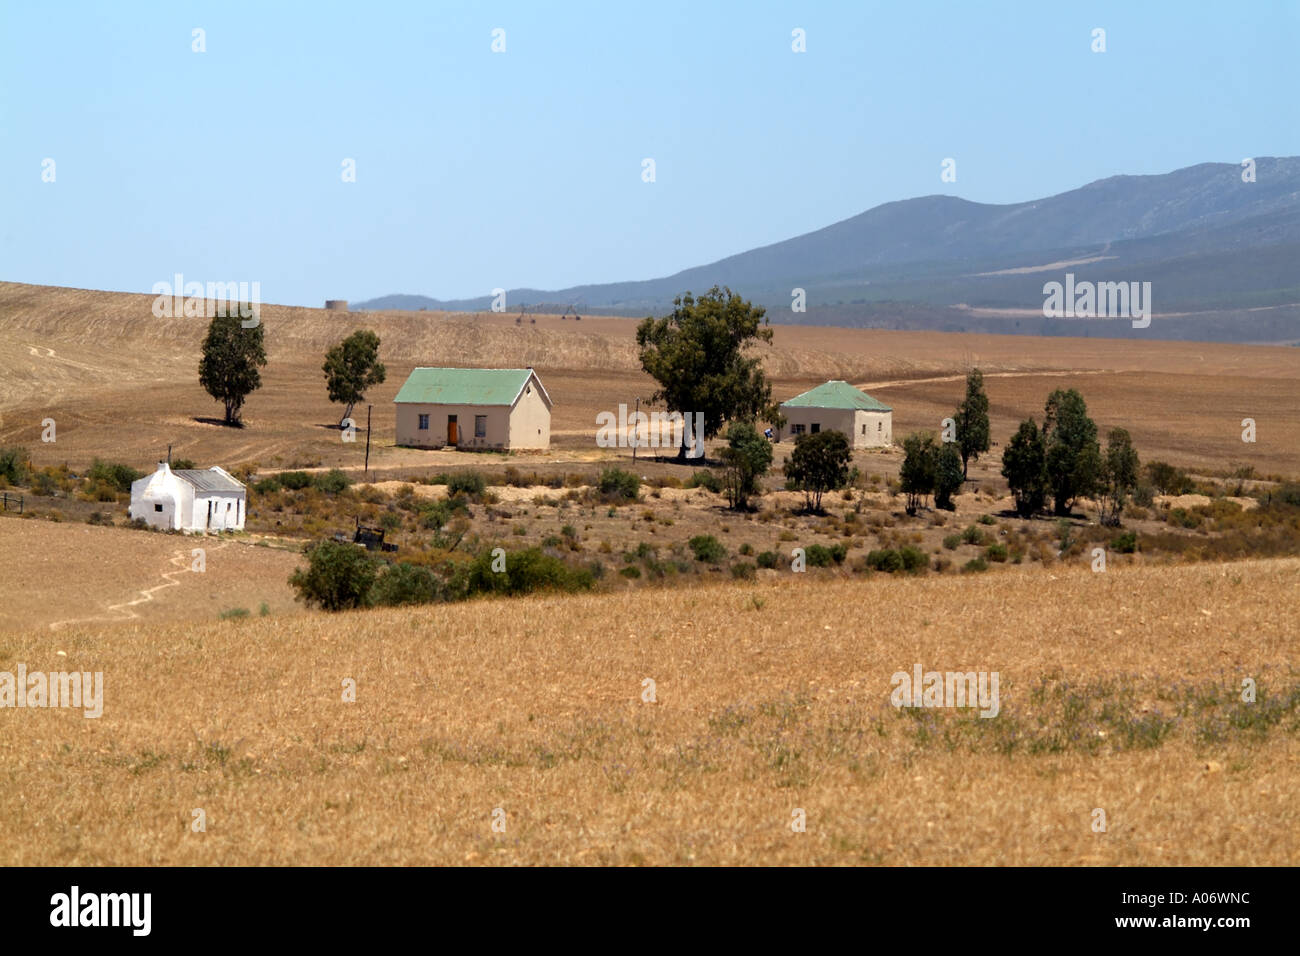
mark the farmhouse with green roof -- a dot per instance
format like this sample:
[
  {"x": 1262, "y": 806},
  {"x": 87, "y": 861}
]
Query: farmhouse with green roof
[
  {"x": 473, "y": 408},
  {"x": 838, "y": 406}
]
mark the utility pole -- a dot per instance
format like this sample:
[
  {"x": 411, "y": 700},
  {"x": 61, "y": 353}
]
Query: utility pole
[
  {"x": 368, "y": 408},
  {"x": 636, "y": 428}
]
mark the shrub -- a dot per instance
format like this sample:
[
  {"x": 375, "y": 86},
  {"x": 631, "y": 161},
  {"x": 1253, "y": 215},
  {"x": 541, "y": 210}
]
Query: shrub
[
  {"x": 973, "y": 535},
  {"x": 405, "y": 583},
  {"x": 987, "y": 519},
  {"x": 631, "y": 571},
  {"x": 268, "y": 486},
  {"x": 742, "y": 571},
  {"x": 99, "y": 517},
  {"x": 466, "y": 483},
  {"x": 436, "y": 515},
  {"x": 615, "y": 484},
  {"x": 996, "y": 552},
  {"x": 768, "y": 559},
  {"x": 913, "y": 558},
  {"x": 117, "y": 475},
  {"x": 1167, "y": 479},
  {"x": 332, "y": 482},
  {"x": 952, "y": 541},
  {"x": 886, "y": 559},
  {"x": 525, "y": 571},
  {"x": 337, "y": 576},
  {"x": 707, "y": 548},
  {"x": 705, "y": 479},
  {"x": 746, "y": 549},
  {"x": 13, "y": 465},
  {"x": 295, "y": 480},
  {"x": 1126, "y": 543},
  {"x": 233, "y": 614},
  {"x": 975, "y": 565},
  {"x": 821, "y": 557},
  {"x": 1182, "y": 518}
]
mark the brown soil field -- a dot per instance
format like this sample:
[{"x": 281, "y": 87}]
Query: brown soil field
[
  {"x": 770, "y": 698},
  {"x": 64, "y": 576},
  {"x": 122, "y": 384}
]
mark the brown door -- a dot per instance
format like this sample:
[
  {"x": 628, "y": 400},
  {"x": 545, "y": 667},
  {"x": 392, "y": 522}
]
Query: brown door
[{"x": 452, "y": 431}]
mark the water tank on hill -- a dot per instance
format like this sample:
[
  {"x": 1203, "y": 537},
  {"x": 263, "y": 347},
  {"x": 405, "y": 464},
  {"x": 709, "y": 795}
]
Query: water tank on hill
[{"x": 336, "y": 305}]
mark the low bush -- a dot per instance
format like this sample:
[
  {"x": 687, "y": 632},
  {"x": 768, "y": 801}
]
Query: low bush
[
  {"x": 403, "y": 584},
  {"x": 1125, "y": 543},
  {"x": 295, "y": 480},
  {"x": 117, "y": 475},
  {"x": 706, "y": 479},
  {"x": 615, "y": 484},
  {"x": 468, "y": 483},
  {"x": 338, "y": 576},
  {"x": 332, "y": 482},
  {"x": 707, "y": 548},
  {"x": 768, "y": 559}
]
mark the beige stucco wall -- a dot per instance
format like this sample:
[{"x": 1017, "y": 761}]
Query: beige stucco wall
[
  {"x": 863, "y": 429},
  {"x": 530, "y": 422},
  {"x": 409, "y": 432},
  {"x": 526, "y": 425}
]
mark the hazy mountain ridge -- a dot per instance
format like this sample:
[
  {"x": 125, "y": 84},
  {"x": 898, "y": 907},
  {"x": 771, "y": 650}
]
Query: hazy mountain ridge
[{"x": 1206, "y": 240}]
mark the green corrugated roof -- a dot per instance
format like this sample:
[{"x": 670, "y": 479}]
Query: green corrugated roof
[
  {"x": 837, "y": 395},
  {"x": 463, "y": 386}
]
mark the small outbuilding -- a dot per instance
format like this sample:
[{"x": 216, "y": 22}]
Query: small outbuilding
[
  {"x": 189, "y": 499},
  {"x": 473, "y": 408},
  {"x": 838, "y": 406}
]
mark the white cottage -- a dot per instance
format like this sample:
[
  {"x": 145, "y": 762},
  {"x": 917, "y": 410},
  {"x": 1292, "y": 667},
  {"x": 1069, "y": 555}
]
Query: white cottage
[{"x": 189, "y": 500}]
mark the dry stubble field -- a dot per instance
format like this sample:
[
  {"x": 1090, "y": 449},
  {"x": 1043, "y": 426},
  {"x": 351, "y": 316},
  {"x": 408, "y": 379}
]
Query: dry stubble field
[{"x": 771, "y": 697}]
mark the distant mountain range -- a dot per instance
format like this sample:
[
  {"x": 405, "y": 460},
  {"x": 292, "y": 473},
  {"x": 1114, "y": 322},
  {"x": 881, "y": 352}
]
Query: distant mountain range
[{"x": 1222, "y": 256}]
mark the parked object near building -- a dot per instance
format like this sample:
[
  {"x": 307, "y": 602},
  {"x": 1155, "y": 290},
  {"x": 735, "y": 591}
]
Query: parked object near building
[
  {"x": 838, "y": 406},
  {"x": 189, "y": 499},
  {"x": 473, "y": 408}
]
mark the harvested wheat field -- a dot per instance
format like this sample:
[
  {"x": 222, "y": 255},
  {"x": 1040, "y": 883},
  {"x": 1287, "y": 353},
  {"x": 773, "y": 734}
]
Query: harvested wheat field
[
  {"x": 62, "y": 576},
  {"x": 1119, "y": 692}
]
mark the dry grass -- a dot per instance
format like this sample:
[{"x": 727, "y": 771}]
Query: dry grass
[
  {"x": 771, "y": 697},
  {"x": 70, "y": 575}
]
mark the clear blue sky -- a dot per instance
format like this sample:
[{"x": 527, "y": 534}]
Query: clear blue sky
[{"x": 523, "y": 168}]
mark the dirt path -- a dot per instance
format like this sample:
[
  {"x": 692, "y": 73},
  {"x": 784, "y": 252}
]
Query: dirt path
[{"x": 182, "y": 558}]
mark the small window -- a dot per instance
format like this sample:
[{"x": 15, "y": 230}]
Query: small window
[
  {"x": 796, "y": 430},
  {"x": 157, "y": 507},
  {"x": 864, "y": 428},
  {"x": 424, "y": 423},
  {"x": 880, "y": 426},
  {"x": 480, "y": 426},
  {"x": 816, "y": 428},
  {"x": 227, "y": 505}
]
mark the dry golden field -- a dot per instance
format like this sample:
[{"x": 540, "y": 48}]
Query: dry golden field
[
  {"x": 1118, "y": 691},
  {"x": 68, "y": 575}
]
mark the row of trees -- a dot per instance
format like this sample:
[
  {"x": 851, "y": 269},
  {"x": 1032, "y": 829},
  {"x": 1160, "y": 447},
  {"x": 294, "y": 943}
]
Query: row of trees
[
  {"x": 1062, "y": 461},
  {"x": 233, "y": 356}
]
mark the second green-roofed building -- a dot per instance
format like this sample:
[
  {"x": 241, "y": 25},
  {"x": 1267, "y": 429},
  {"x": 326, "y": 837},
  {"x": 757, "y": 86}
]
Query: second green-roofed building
[{"x": 838, "y": 406}]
